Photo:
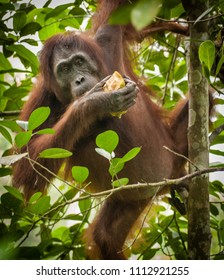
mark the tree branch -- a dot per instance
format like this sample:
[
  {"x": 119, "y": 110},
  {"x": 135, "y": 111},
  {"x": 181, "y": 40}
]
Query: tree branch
[{"x": 153, "y": 186}]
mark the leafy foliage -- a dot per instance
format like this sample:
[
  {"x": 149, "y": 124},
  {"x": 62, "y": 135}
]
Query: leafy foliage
[
  {"x": 45, "y": 227},
  {"x": 107, "y": 143}
]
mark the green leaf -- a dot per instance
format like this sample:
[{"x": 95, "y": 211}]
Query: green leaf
[
  {"x": 220, "y": 63},
  {"x": 6, "y": 134},
  {"x": 35, "y": 197},
  {"x": 206, "y": 72},
  {"x": 57, "y": 11},
  {"x": 3, "y": 103},
  {"x": 55, "y": 153},
  {"x": 180, "y": 72},
  {"x": 214, "y": 210},
  {"x": 70, "y": 194},
  {"x": 23, "y": 138},
  {"x": 120, "y": 182},
  {"x": 121, "y": 15},
  {"x": 72, "y": 22},
  {"x": 116, "y": 166},
  {"x": 222, "y": 229},
  {"x": 38, "y": 117},
  {"x": 144, "y": 12},
  {"x": 73, "y": 217},
  {"x": 107, "y": 140},
  {"x": 85, "y": 205},
  {"x": 5, "y": 171},
  {"x": 61, "y": 233},
  {"x": 217, "y": 152},
  {"x": 149, "y": 254},
  {"x": 42, "y": 205},
  {"x": 5, "y": 64},
  {"x": 51, "y": 28},
  {"x": 26, "y": 54},
  {"x": 19, "y": 20},
  {"x": 80, "y": 173},
  {"x": 14, "y": 192},
  {"x": 30, "y": 42},
  {"x": 206, "y": 54},
  {"x": 9, "y": 201},
  {"x": 30, "y": 28},
  {"x": 46, "y": 131},
  {"x": 130, "y": 155},
  {"x": 216, "y": 164}
]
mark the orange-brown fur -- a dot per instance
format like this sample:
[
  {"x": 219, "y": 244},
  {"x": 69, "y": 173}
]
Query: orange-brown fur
[{"x": 77, "y": 126}]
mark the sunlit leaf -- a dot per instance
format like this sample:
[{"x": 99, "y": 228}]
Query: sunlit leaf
[
  {"x": 38, "y": 117},
  {"x": 121, "y": 15},
  {"x": 207, "y": 53},
  {"x": 57, "y": 11},
  {"x": 23, "y": 138},
  {"x": 144, "y": 12},
  {"x": 120, "y": 182},
  {"x": 55, "y": 153},
  {"x": 80, "y": 173},
  {"x": 131, "y": 154},
  {"x": 51, "y": 28},
  {"x": 61, "y": 233},
  {"x": 35, "y": 197},
  {"x": 41, "y": 206},
  {"x": 107, "y": 140},
  {"x": 46, "y": 131},
  {"x": 116, "y": 166},
  {"x": 85, "y": 205}
]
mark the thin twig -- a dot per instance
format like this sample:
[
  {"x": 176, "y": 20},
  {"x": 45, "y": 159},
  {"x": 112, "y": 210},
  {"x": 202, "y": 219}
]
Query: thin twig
[
  {"x": 180, "y": 155},
  {"x": 190, "y": 21},
  {"x": 143, "y": 222},
  {"x": 151, "y": 186},
  {"x": 154, "y": 241},
  {"x": 171, "y": 67}
]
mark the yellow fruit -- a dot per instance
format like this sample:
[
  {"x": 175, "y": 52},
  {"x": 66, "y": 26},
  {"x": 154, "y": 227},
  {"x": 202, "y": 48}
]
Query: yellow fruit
[{"x": 115, "y": 82}]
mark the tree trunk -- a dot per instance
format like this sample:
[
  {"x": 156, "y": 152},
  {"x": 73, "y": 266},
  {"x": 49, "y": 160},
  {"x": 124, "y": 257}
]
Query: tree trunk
[{"x": 199, "y": 236}]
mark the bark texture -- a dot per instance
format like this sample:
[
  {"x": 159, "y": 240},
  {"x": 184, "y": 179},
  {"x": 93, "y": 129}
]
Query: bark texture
[{"x": 199, "y": 236}]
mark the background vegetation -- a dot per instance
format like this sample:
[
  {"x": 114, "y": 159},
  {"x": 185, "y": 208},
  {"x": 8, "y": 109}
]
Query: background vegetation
[{"x": 52, "y": 226}]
